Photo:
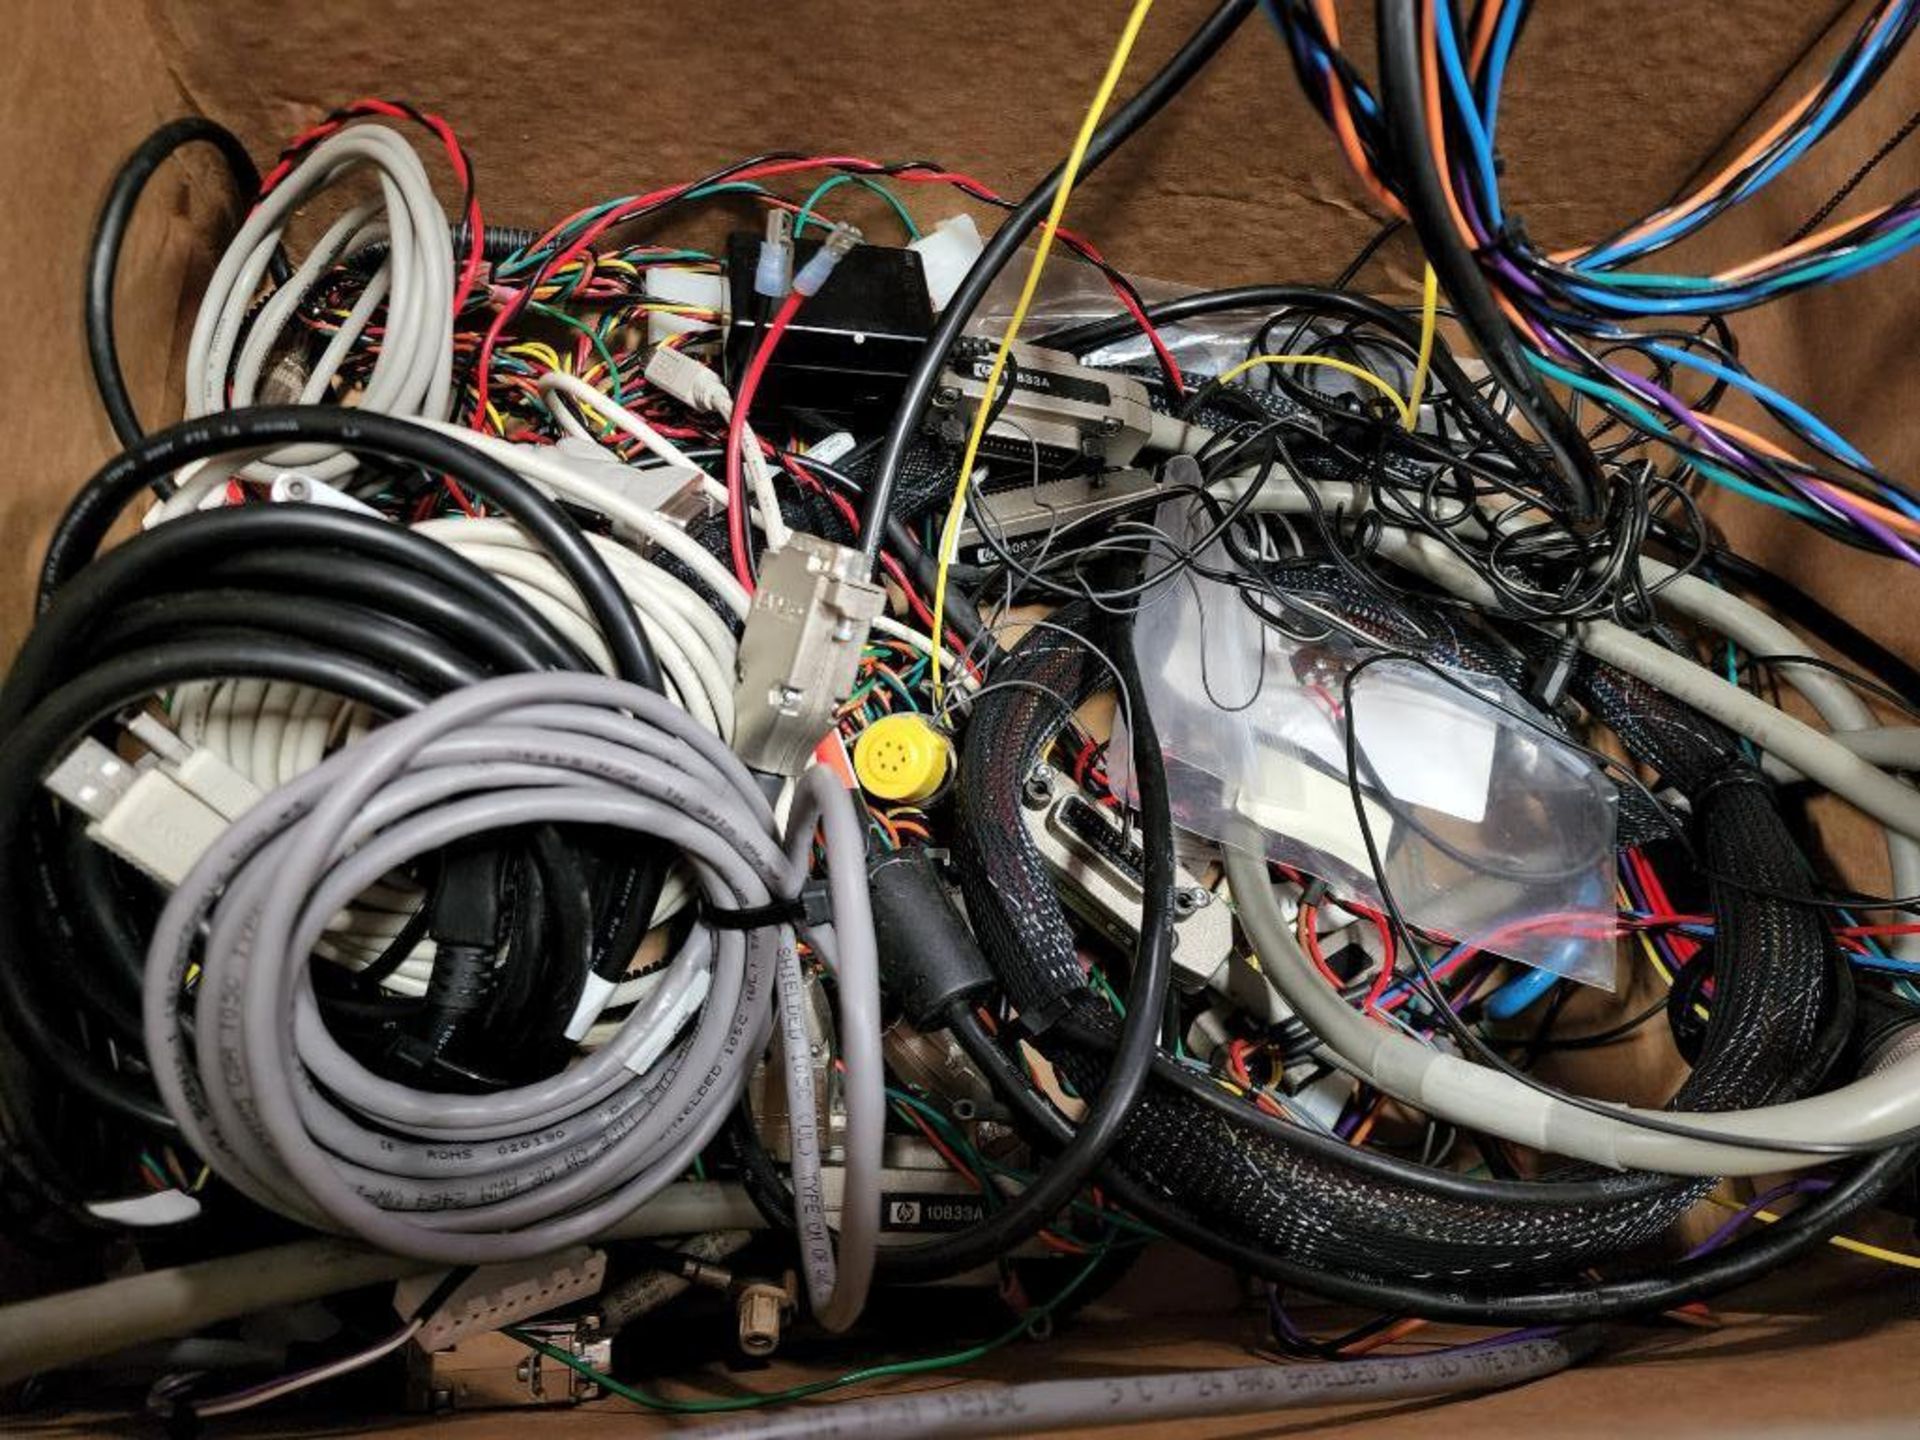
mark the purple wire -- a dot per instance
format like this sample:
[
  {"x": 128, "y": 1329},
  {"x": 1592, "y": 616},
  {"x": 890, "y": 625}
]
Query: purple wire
[
  {"x": 1662, "y": 942},
  {"x": 1806, "y": 1185},
  {"x": 1494, "y": 1342},
  {"x": 1834, "y": 499},
  {"x": 1678, "y": 408}
]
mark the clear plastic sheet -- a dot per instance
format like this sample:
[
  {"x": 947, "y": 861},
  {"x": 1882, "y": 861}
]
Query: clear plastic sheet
[{"x": 1489, "y": 828}]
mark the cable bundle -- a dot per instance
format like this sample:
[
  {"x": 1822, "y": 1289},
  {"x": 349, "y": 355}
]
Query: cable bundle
[
  {"x": 1593, "y": 318},
  {"x": 412, "y": 290},
  {"x": 523, "y": 1171},
  {"x": 474, "y": 936}
]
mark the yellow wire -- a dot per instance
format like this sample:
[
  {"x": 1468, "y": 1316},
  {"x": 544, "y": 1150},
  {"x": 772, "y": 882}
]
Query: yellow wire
[
  {"x": 1408, "y": 415},
  {"x": 1423, "y": 365},
  {"x": 950, "y": 533},
  {"x": 538, "y": 351},
  {"x": 1843, "y": 1242}
]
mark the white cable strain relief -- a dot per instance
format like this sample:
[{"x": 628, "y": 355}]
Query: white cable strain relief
[
  {"x": 773, "y": 272},
  {"x": 594, "y": 996}
]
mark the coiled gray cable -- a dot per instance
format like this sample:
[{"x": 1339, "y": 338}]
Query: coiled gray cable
[{"x": 265, "y": 1094}]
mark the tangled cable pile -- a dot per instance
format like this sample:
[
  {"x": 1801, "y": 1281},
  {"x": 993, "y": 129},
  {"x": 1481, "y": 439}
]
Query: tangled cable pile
[{"x": 389, "y": 843}]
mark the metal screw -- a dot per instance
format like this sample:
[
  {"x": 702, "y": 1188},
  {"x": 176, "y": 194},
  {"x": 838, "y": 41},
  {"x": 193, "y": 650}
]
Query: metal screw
[
  {"x": 1110, "y": 425},
  {"x": 946, "y": 397},
  {"x": 1038, "y": 789}
]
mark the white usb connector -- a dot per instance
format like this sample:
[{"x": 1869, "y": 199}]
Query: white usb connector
[
  {"x": 688, "y": 381},
  {"x": 162, "y": 814}
]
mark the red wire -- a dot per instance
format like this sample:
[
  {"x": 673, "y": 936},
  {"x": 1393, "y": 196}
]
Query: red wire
[
  {"x": 855, "y": 164},
  {"x": 737, "y": 524},
  {"x": 456, "y": 156},
  {"x": 1310, "y": 935}
]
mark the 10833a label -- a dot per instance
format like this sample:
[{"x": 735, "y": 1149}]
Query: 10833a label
[{"x": 929, "y": 1211}]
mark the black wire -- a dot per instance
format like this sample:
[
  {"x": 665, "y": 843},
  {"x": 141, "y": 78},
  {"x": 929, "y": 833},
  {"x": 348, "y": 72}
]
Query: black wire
[
  {"x": 1421, "y": 189},
  {"x": 27, "y": 752},
  {"x": 1067, "y": 1172},
  {"x": 1808, "y": 614},
  {"x": 91, "y": 514},
  {"x": 1188, "y": 61},
  {"x": 110, "y": 233},
  {"x": 1599, "y": 1038},
  {"x": 1853, "y": 182},
  {"x": 1471, "y": 1042},
  {"x": 1441, "y": 1298},
  {"x": 1367, "y": 251}
]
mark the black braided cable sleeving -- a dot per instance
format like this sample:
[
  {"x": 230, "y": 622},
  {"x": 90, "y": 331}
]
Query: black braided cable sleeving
[{"x": 1321, "y": 1213}]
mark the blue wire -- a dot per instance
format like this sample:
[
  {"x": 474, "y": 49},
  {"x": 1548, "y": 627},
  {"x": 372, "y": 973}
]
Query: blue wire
[
  {"x": 1456, "y": 73},
  {"x": 1886, "y": 963},
  {"x": 1822, "y": 434},
  {"x": 1873, "y": 252},
  {"x": 1497, "y": 55},
  {"x": 1809, "y": 136},
  {"x": 1519, "y": 992}
]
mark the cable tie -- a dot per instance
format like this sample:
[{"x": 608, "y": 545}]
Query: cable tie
[{"x": 811, "y": 908}]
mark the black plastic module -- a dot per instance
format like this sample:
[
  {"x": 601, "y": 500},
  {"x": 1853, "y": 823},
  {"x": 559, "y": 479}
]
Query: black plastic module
[{"x": 848, "y": 351}]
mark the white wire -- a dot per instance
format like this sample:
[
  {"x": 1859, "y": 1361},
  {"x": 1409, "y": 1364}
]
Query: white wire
[
  {"x": 552, "y": 474},
  {"x": 413, "y": 373}
]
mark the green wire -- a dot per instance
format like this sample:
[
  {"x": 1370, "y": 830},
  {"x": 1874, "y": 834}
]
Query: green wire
[
  {"x": 921, "y": 1366},
  {"x": 834, "y": 182},
  {"x": 1113, "y": 998},
  {"x": 1656, "y": 428},
  {"x": 1733, "y": 679},
  {"x": 606, "y": 355},
  {"x": 897, "y": 687},
  {"x": 981, "y": 1164}
]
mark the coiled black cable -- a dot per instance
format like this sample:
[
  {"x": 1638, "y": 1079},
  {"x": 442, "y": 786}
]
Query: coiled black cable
[
  {"x": 110, "y": 234},
  {"x": 365, "y": 610}
]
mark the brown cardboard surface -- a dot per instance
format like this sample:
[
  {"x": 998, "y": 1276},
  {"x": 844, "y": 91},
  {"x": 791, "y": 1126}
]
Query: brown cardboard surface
[
  {"x": 1825, "y": 1352},
  {"x": 1614, "y": 103}
]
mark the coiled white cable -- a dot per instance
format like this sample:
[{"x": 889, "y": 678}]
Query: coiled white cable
[{"x": 413, "y": 373}]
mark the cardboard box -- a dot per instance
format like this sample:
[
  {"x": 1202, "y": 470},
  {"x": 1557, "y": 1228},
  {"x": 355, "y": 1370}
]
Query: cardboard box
[{"x": 1614, "y": 105}]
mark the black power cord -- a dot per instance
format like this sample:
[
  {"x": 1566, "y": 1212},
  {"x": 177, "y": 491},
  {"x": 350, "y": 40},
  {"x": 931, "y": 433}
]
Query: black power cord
[{"x": 110, "y": 234}]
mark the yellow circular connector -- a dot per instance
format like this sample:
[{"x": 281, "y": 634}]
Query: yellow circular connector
[{"x": 901, "y": 758}]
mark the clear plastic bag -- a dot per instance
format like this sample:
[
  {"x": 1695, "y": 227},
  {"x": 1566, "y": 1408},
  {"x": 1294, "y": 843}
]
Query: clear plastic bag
[{"x": 1487, "y": 826}]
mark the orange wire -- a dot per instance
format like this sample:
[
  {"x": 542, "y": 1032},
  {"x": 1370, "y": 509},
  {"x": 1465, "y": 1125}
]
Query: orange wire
[
  {"x": 1399, "y": 1330},
  {"x": 1800, "y": 247},
  {"x": 1905, "y": 524},
  {"x": 1436, "y": 120},
  {"x": 886, "y": 825},
  {"x": 1343, "y": 127},
  {"x": 1484, "y": 21},
  {"x": 1705, "y": 194},
  {"x": 1365, "y": 1127}
]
